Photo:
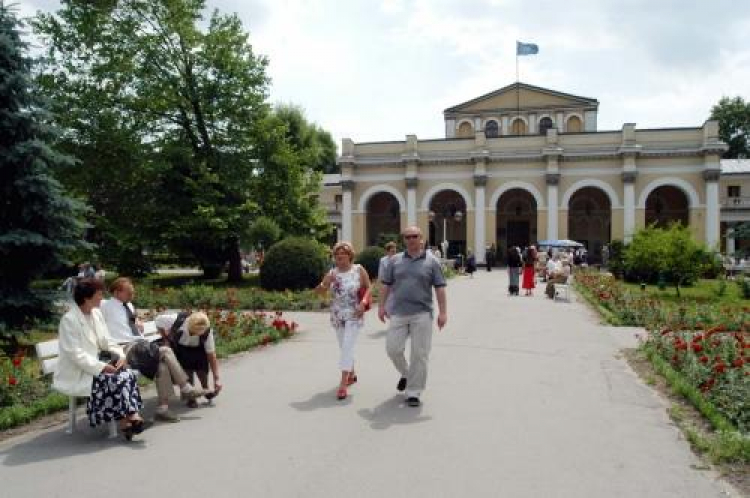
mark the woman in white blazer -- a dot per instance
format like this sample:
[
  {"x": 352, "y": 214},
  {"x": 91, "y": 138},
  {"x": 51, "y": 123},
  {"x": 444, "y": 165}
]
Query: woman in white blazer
[{"x": 111, "y": 388}]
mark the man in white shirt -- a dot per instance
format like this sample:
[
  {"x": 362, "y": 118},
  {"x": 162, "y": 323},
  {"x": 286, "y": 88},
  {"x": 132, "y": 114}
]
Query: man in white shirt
[{"x": 125, "y": 328}]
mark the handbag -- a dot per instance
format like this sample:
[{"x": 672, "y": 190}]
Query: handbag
[
  {"x": 144, "y": 356},
  {"x": 109, "y": 357},
  {"x": 364, "y": 296}
]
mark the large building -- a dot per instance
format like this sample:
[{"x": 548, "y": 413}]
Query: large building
[{"x": 523, "y": 164}]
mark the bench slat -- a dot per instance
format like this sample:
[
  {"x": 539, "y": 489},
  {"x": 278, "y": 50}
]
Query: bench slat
[{"x": 47, "y": 348}]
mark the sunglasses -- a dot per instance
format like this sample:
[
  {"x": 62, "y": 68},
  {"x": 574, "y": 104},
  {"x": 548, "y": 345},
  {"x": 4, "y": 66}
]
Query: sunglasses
[{"x": 411, "y": 236}]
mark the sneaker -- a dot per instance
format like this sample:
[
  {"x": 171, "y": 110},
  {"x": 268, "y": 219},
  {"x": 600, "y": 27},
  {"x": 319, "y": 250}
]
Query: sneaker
[
  {"x": 413, "y": 401},
  {"x": 166, "y": 416},
  {"x": 401, "y": 384},
  {"x": 192, "y": 403},
  {"x": 211, "y": 395}
]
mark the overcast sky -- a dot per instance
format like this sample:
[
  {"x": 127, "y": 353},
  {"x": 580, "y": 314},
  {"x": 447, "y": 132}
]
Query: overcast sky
[{"x": 376, "y": 70}]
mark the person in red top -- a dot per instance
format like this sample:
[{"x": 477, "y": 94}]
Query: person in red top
[{"x": 529, "y": 265}]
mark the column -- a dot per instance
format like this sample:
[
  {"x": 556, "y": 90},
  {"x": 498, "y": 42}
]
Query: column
[
  {"x": 628, "y": 179},
  {"x": 711, "y": 176},
  {"x": 347, "y": 186},
  {"x": 480, "y": 181},
  {"x": 411, "y": 201},
  {"x": 505, "y": 130},
  {"x": 553, "y": 179},
  {"x": 730, "y": 238}
]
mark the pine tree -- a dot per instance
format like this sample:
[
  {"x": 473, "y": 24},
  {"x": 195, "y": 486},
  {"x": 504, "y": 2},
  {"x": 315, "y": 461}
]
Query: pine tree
[{"x": 39, "y": 225}]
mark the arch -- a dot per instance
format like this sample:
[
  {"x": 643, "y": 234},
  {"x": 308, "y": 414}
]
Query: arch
[
  {"x": 492, "y": 128},
  {"x": 683, "y": 185},
  {"x": 521, "y": 185},
  {"x": 545, "y": 123},
  {"x": 614, "y": 201},
  {"x": 519, "y": 126},
  {"x": 667, "y": 204},
  {"x": 465, "y": 128},
  {"x": 375, "y": 189},
  {"x": 446, "y": 186},
  {"x": 574, "y": 123}
]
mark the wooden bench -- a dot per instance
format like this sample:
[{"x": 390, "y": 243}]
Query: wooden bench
[{"x": 48, "y": 352}]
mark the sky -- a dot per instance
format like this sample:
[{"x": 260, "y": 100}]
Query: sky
[{"x": 377, "y": 70}]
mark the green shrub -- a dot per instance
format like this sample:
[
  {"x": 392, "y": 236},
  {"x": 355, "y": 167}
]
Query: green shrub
[
  {"x": 294, "y": 263},
  {"x": 616, "y": 261},
  {"x": 369, "y": 257}
]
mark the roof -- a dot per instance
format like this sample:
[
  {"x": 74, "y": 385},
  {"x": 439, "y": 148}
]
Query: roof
[
  {"x": 735, "y": 166},
  {"x": 520, "y": 85}
]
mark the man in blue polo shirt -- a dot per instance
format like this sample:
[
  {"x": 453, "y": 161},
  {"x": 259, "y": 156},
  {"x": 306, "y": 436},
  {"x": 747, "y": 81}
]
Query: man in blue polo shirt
[{"x": 410, "y": 278}]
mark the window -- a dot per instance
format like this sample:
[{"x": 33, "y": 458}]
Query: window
[
  {"x": 465, "y": 130},
  {"x": 733, "y": 191},
  {"x": 491, "y": 129},
  {"x": 544, "y": 125}
]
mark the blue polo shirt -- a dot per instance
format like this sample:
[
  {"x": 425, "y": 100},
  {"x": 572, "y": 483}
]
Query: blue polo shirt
[{"x": 411, "y": 281}]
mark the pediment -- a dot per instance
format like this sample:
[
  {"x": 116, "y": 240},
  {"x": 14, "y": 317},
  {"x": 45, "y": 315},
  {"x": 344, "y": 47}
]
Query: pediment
[{"x": 524, "y": 96}]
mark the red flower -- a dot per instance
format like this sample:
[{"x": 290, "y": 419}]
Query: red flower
[
  {"x": 720, "y": 368},
  {"x": 12, "y": 380},
  {"x": 697, "y": 348},
  {"x": 738, "y": 363},
  {"x": 703, "y": 359},
  {"x": 17, "y": 361}
]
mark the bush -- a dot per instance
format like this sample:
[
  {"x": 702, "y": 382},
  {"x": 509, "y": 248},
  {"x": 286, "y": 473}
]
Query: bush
[
  {"x": 263, "y": 232},
  {"x": 370, "y": 259},
  {"x": 616, "y": 262},
  {"x": 294, "y": 263}
]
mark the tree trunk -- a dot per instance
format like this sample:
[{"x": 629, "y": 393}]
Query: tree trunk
[{"x": 235, "y": 261}]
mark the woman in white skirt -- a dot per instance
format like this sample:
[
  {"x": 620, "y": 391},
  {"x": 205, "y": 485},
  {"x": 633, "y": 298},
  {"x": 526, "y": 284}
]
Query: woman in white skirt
[{"x": 344, "y": 282}]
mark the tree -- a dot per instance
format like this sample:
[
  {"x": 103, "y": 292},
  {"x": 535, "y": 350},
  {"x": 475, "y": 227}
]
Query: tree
[
  {"x": 733, "y": 115},
  {"x": 177, "y": 92},
  {"x": 264, "y": 232},
  {"x": 39, "y": 225},
  {"x": 315, "y": 146},
  {"x": 671, "y": 252}
]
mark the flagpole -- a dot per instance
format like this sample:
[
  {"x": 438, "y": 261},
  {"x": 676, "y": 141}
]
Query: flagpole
[{"x": 518, "y": 95}]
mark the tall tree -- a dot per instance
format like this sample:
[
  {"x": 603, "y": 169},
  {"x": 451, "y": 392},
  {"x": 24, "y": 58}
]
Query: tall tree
[
  {"x": 194, "y": 98},
  {"x": 733, "y": 115},
  {"x": 314, "y": 145},
  {"x": 39, "y": 225}
]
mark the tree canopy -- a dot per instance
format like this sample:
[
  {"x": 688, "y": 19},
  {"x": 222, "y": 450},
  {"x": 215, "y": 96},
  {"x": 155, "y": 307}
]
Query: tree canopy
[
  {"x": 39, "y": 224},
  {"x": 733, "y": 115},
  {"x": 173, "y": 118}
]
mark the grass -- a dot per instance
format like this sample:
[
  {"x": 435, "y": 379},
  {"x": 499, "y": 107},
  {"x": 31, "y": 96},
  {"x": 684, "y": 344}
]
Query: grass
[
  {"x": 704, "y": 290},
  {"x": 12, "y": 416}
]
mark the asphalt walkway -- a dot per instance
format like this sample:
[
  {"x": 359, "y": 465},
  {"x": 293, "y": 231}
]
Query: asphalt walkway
[{"x": 525, "y": 398}]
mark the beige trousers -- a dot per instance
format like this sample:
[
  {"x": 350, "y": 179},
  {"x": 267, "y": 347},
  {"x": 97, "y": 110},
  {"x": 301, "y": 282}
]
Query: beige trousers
[
  {"x": 170, "y": 372},
  {"x": 418, "y": 327}
]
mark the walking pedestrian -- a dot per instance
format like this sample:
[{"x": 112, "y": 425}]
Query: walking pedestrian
[
  {"x": 410, "y": 277},
  {"x": 347, "y": 308},
  {"x": 515, "y": 263},
  {"x": 529, "y": 270}
]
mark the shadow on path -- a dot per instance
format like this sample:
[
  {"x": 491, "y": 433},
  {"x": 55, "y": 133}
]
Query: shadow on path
[
  {"x": 392, "y": 411},
  {"x": 325, "y": 399}
]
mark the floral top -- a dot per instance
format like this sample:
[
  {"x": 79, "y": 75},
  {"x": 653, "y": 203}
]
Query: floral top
[{"x": 344, "y": 302}]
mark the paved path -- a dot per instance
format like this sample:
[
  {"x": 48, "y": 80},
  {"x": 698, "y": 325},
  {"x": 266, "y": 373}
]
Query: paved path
[{"x": 526, "y": 398}]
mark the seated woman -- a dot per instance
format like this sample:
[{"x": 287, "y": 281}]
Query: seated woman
[
  {"x": 84, "y": 372},
  {"x": 559, "y": 276}
]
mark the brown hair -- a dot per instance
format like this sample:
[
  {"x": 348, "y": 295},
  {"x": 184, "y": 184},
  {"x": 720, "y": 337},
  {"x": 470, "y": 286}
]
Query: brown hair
[
  {"x": 346, "y": 247},
  {"x": 85, "y": 289},
  {"x": 390, "y": 245},
  {"x": 119, "y": 283}
]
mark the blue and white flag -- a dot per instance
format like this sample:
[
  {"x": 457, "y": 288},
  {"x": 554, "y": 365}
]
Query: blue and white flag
[{"x": 526, "y": 48}]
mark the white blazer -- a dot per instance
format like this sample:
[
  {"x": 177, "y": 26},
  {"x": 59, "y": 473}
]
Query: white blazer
[{"x": 79, "y": 347}]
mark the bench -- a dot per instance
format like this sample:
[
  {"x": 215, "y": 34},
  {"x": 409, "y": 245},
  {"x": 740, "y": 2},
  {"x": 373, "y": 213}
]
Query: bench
[
  {"x": 47, "y": 352},
  {"x": 561, "y": 289}
]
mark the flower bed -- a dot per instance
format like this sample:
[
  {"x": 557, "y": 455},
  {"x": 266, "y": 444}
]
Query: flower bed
[
  {"x": 206, "y": 296},
  {"x": 708, "y": 345}
]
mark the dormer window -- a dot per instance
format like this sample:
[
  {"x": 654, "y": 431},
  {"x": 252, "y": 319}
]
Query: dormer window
[
  {"x": 491, "y": 129},
  {"x": 544, "y": 125}
]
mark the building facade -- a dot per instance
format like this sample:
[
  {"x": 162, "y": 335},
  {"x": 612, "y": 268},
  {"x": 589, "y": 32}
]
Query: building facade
[{"x": 525, "y": 163}]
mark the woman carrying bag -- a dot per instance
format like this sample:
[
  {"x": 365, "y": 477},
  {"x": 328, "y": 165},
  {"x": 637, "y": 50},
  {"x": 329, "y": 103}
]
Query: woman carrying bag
[{"x": 349, "y": 286}]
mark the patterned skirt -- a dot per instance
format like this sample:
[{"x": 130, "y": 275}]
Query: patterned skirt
[{"x": 113, "y": 397}]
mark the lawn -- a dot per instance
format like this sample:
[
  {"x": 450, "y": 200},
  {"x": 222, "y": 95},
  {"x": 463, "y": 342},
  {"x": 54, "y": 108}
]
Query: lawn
[{"x": 703, "y": 291}]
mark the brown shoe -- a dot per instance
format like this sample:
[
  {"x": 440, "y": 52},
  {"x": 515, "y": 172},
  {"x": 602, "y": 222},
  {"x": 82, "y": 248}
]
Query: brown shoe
[{"x": 166, "y": 416}]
